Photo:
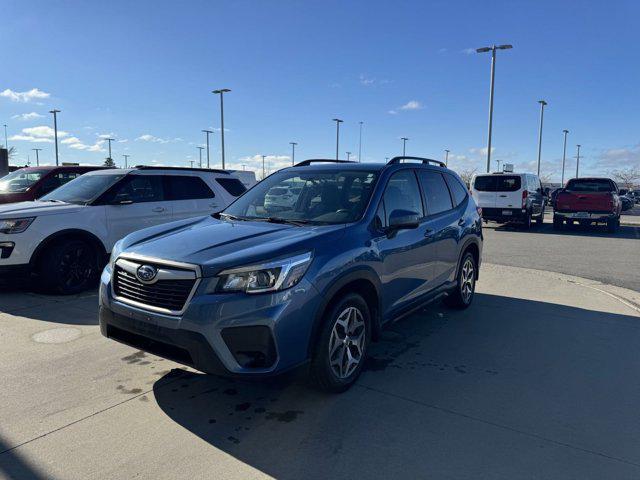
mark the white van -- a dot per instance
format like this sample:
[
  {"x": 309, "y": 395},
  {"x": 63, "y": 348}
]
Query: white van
[{"x": 509, "y": 197}]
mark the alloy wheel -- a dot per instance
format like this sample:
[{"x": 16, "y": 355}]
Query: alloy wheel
[
  {"x": 467, "y": 280},
  {"x": 76, "y": 266},
  {"x": 347, "y": 341}
]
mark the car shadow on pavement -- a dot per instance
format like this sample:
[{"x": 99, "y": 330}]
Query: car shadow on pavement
[
  {"x": 81, "y": 309},
  {"x": 445, "y": 393},
  {"x": 624, "y": 231},
  {"x": 14, "y": 465}
]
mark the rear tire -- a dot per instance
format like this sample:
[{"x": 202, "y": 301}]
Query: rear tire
[
  {"x": 69, "y": 267},
  {"x": 557, "y": 223},
  {"x": 527, "y": 222},
  {"x": 613, "y": 224},
  {"x": 342, "y": 346},
  {"x": 540, "y": 219},
  {"x": 462, "y": 295}
]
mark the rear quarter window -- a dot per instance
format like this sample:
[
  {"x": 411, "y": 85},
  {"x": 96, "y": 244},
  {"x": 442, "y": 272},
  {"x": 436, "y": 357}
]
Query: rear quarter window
[
  {"x": 458, "y": 190},
  {"x": 183, "y": 187},
  {"x": 233, "y": 186}
]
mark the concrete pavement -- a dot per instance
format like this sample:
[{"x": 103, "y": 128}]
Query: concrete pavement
[{"x": 537, "y": 379}]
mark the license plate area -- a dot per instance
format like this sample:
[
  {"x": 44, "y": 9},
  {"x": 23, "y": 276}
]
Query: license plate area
[
  {"x": 581, "y": 215},
  {"x": 506, "y": 213}
]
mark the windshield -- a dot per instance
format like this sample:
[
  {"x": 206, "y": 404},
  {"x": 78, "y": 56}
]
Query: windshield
[
  {"x": 20, "y": 180},
  {"x": 82, "y": 190},
  {"x": 590, "y": 185},
  {"x": 326, "y": 197}
]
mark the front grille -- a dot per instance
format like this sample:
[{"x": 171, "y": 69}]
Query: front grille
[{"x": 168, "y": 295}]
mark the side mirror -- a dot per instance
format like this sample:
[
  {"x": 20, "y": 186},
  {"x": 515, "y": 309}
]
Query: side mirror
[{"x": 403, "y": 220}]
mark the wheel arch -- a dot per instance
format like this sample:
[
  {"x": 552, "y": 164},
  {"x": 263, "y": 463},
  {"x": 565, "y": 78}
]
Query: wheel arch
[
  {"x": 471, "y": 245},
  {"x": 67, "y": 234},
  {"x": 363, "y": 282}
]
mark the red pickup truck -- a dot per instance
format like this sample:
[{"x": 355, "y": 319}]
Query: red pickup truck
[
  {"x": 588, "y": 201},
  {"x": 29, "y": 183}
]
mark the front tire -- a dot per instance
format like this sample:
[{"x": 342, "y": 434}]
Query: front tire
[
  {"x": 613, "y": 224},
  {"x": 69, "y": 267},
  {"x": 540, "y": 219},
  {"x": 342, "y": 347},
  {"x": 557, "y": 223},
  {"x": 462, "y": 295}
]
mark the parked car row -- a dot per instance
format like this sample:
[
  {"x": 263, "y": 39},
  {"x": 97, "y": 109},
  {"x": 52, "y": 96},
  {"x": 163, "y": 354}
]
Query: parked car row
[{"x": 519, "y": 197}]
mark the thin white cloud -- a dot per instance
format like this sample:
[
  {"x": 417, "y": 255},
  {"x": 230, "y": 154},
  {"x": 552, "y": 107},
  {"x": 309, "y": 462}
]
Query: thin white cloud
[
  {"x": 27, "y": 116},
  {"x": 392, "y": 112},
  {"x": 272, "y": 163},
  {"x": 411, "y": 105},
  {"x": 24, "y": 97},
  {"x": 366, "y": 81},
  {"x": 39, "y": 134},
  {"x": 70, "y": 140},
  {"x": 30, "y": 138},
  {"x": 147, "y": 137},
  {"x": 442, "y": 51},
  {"x": 468, "y": 51}
]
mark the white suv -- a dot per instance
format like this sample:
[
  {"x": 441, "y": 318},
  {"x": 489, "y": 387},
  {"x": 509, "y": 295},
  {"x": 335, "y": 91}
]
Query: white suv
[
  {"x": 65, "y": 237},
  {"x": 509, "y": 197}
]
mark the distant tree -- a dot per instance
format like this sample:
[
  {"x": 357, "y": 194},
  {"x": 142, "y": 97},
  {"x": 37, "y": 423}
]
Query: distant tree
[
  {"x": 108, "y": 162},
  {"x": 546, "y": 178},
  {"x": 467, "y": 174},
  {"x": 626, "y": 177}
]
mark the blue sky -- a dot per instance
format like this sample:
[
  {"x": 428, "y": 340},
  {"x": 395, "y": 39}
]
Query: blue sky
[{"x": 142, "y": 72}]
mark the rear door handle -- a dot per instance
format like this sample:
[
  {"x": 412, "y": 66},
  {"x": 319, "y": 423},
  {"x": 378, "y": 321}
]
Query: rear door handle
[
  {"x": 461, "y": 222},
  {"x": 503, "y": 196},
  {"x": 158, "y": 209},
  {"x": 428, "y": 232}
]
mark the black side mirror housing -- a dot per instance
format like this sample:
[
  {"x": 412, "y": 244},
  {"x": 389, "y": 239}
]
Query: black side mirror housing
[{"x": 403, "y": 220}]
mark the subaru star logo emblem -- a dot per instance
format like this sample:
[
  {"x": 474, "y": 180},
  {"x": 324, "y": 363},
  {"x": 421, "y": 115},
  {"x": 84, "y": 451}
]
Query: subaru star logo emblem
[{"x": 147, "y": 273}]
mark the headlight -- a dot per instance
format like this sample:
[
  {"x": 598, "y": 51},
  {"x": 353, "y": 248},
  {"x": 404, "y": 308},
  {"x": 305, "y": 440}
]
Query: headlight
[
  {"x": 115, "y": 251},
  {"x": 15, "y": 225},
  {"x": 267, "y": 277}
]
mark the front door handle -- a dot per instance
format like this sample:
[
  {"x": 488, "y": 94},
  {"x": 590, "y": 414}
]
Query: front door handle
[
  {"x": 213, "y": 205},
  {"x": 461, "y": 222},
  {"x": 428, "y": 233},
  {"x": 158, "y": 209}
]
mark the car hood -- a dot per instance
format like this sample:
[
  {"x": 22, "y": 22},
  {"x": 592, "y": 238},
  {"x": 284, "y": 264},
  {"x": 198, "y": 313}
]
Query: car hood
[
  {"x": 37, "y": 209},
  {"x": 219, "y": 244}
]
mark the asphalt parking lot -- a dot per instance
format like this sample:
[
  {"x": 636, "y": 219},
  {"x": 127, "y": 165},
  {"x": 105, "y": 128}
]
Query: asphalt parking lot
[{"x": 535, "y": 380}]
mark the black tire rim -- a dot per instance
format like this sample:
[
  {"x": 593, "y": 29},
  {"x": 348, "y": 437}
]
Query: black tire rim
[
  {"x": 76, "y": 266},
  {"x": 467, "y": 280}
]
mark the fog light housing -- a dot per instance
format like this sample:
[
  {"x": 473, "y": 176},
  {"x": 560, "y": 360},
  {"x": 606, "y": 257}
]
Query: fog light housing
[{"x": 6, "y": 248}]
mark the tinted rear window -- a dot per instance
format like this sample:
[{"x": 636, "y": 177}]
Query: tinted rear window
[
  {"x": 182, "y": 187},
  {"x": 590, "y": 185},
  {"x": 497, "y": 183},
  {"x": 232, "y": 185}
]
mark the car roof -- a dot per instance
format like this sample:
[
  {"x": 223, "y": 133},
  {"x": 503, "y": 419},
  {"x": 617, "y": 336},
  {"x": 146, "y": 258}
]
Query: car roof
[
  {"x": 61, "y": 167},
  {"x": 365, "y": 166}
]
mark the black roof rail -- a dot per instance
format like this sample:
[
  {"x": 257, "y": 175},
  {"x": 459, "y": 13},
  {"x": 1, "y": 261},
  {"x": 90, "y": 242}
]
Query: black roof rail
[
  {"x": 190, "y": 169},
  {"x": 396, "y": 160},
  {"x": 306, "y": 163}
]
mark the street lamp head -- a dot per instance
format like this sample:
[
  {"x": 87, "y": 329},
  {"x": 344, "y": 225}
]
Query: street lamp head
[
  {"x": 483, "y": 50},
  {"x": 542, "y": 102},
  {"x": 222, "y": 90},
  {"x": 338, "y": 120},
  {"x": 207, "y": 131},
  {"x": 504, "y": 47},
  {"x": 404, "y": 138},
  {"x": 293, "y": 143},
  {"x": 54, "y": 111},
  {"x": 565, "y": 131}
]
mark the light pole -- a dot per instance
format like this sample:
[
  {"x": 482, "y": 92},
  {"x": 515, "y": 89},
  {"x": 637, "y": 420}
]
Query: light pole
[
  {"x": 55, "y": 130},
  {"x": 293, "y": 152},
  {"x": 404, "y": 145},
  {"x": 243, "y": 167},
  {"x": 200, "y": 153},
  {"x": 109, "y": 140},
  {"x": 6, "y": 144},
  {"x": 491, "y": 49},
  {"x": 208, "y": 132},
  {"x": 338, "y": 122},
  {"x": 360, "y": 145},
  {"x": 446, "y": 158},
  {"x": 542, "y": 105},
  {"x": 191, "y": 162},
  {"x": 578, "y": 161},
  {"x": 221, "y": 92},
  {"x": 498, "y": 162},
  {"x": 37, "y": 156},
  {"x": 348, "y": 156},
  {"x": 564, "y": 155},
  {"x": 263, "y": 170},
  {"x": 126, "y": 161}
]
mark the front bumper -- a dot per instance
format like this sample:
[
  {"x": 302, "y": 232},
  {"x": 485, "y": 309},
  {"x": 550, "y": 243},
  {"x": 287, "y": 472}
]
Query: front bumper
[
  {"x": 586, "y": 216},
  {"x": 223, "y": 334},
  {"x": 17, "y": 248}
]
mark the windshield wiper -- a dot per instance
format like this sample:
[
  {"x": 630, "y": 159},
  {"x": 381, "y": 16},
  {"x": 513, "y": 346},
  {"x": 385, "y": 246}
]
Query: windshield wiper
[{"x": 298, "y": 223}]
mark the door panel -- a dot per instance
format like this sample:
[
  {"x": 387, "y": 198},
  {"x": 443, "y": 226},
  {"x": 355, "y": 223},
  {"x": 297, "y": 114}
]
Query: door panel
[
  {"x": 190, "y": 196},
  {"x": 407, "y": 255}
]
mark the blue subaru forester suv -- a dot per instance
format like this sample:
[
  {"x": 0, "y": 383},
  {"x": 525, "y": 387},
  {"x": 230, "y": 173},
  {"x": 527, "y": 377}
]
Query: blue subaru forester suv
[{"x": 309, "y": 279}]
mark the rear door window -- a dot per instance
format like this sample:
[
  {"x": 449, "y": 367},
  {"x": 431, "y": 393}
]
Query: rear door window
[
  {"x": 183, "y": 187},
  {"x": 138, "y": 189},
  {"x": 508, "y": 183},
  {"x": 485, "y": 183},
  {"x": 436, "y": 192}
]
